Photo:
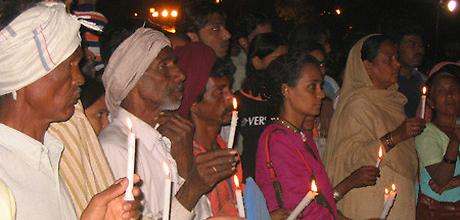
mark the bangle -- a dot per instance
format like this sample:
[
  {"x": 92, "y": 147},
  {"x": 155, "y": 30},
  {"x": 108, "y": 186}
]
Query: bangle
[
  {"x": 387, "y": 140},
  {"x": 445, "y": 160},
  {"x": 336, "y": 195}
]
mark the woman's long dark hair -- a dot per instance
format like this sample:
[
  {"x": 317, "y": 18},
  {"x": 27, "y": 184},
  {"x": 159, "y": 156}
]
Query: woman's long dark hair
[{"x": 261, "y": 46}]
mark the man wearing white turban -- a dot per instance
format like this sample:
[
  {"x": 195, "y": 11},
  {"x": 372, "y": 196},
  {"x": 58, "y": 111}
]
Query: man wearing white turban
[
  {"x": 39, "y": 84},
  {"x": 143, "y": 85}
]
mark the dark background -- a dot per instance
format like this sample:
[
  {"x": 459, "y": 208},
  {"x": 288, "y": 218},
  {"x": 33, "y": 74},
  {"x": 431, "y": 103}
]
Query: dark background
[{"x": 357, "y": 15}]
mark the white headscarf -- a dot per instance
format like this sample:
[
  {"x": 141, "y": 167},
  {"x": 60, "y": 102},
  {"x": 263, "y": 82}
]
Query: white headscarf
[
  {"x": 129, "y": 62},
  {"x": 35, "y": 43}
]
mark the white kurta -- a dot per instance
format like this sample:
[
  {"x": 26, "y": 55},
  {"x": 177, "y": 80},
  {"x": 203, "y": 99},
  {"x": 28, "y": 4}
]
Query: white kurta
[
  {"x": 30, "y": 169},
  {"x": 152, "y": 157}
]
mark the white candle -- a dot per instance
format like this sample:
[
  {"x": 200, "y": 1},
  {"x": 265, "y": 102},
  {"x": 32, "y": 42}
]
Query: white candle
[
  {"x": 389, "y": 198},
  {"x": 239, "y": 198},
  {"x": 305, "y": 201},
  {"x": 233, "y": 123},
  {"x": 131, "y": 161},
  {"x": 380, "y": 157},
  {"x": 422, "y": 111},
  {"x": 167, "y": 194}
]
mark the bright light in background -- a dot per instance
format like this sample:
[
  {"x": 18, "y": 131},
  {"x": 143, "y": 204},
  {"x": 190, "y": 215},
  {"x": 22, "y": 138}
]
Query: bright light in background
[
  {"x": 170, "y": 29},
  {"x": 165, "y": 13},
  {"x": 174, "y": 13},
  {"x": 452, "y": 5},
  {"x": 135, "y": 14},
  {"x": 152, "y": 10},
  {"x": 218, "y": 1},
  {"x": 338, "y": 11},
  {"x": 155, "y": 14}
]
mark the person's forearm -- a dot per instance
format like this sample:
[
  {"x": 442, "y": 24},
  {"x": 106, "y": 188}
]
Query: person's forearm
[
  {"x": 344, "y": 187},
  {"x": 188, "y": 196},
  {"x": 444, "y": 172}
]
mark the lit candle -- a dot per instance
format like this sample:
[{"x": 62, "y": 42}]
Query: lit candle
[
  {"x": 131, "y": 159},
  {"x": 239, "y": 198},
  {"x": 389, "y": 198},
  {"x": 231, "y": 136},
  {"x": 305, "y": 201},
  {"x": 380, "y": 157},
  {"x": 424, "y": 92},
  {"x": 167, "y": 193}
]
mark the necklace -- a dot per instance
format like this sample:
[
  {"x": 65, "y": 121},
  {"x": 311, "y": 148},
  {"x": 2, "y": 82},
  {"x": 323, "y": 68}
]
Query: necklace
[{"x": 293, "y": 128}]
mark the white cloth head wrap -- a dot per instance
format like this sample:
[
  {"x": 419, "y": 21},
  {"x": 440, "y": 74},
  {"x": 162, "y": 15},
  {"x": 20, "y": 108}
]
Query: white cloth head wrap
[
  {"x": 129, "y": 62},
  {"x": 35, "y": 43}
]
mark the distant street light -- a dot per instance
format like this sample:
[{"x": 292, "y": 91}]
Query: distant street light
[
  {"x": 165, "y": 13},
  {"x": 135, "y": 14},
  {"x": 155, "y": 14},
  {"x": 338, "y": 11},
  {"x": 173, "y": 13},
  {"x": 452, "y": 5},
  {"x": 151, "y": 10}
]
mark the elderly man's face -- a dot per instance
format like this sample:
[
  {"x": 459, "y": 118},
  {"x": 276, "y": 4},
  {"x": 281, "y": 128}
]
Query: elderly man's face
[
  {"x": 54, "y": 96},
  {"x": 163, "y": 82}
]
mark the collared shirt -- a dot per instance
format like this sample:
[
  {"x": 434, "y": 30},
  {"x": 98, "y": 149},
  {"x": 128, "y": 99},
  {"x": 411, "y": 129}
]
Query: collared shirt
[
  {"x": 153, "y": 163},
  {"x": 30, "y": 169},
  {"x": 83, "y": 165},
  {"x": 411, "y": 88}
]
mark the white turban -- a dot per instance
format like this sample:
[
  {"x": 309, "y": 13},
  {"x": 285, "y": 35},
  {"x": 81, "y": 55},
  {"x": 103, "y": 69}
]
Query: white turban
[
  {"x": 35, "y": 43},
  {"x": 129, "y": 62}
]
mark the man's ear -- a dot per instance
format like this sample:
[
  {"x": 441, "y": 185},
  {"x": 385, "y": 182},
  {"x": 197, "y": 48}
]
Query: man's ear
[
  {"x": 430, "y": 103},
  {"x": 194, "y": 108},
  {"x": 193, "y": 36}
]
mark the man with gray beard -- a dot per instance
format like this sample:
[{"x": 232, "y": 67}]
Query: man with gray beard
[{"x": 143, "y": 86}]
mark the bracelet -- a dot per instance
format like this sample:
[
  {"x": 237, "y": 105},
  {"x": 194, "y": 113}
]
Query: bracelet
[
  {"x": 387, "y": 140},
  {"x": 445, "y": 160},
  {"x": 336, "y": 195}
]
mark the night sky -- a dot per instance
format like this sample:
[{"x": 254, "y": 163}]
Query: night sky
[{"x": 357, "y": 15}]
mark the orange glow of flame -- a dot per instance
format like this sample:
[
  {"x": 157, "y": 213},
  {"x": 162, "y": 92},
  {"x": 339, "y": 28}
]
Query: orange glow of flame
[
  {"x": 386, "y": 191},
  {"x": 393, "y": 187},
  {"x": 235, "y": 180},
  {"x": 424, "y": 90},
  {"x": 380, "y": 152},
  {"x": 313, "y": 186},
  {"x": 235, "y": 104}
]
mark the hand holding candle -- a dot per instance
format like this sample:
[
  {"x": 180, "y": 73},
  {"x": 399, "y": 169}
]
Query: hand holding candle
[
  {"x": 131, "y": 162},
  {"x": 233, "y": 124},
  {"x": 239, "y": 198},
  {"x": 389, "y": 198},
  {"x": 305, "y": 201},
  {"x": 423, "y": 100},
  {"x": 380, "y": 157}
]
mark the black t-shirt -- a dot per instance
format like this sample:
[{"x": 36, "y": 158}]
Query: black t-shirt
[{"x": 254, "y": 114}]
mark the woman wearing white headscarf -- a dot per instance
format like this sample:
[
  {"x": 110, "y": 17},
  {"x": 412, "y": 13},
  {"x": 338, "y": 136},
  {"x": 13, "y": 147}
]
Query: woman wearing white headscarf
[{"x": 370, "y": 113}]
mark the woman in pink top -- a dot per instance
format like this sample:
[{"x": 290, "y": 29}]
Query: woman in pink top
[{"x": 287, "y": 159}]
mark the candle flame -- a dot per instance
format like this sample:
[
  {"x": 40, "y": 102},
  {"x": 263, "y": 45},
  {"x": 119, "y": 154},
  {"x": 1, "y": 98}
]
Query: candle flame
[
  {"x": 236, "y": 181},
  {"x": 386, "y": 191},
  {"x": 313, "y": 186},
  {"x": 235, "y": 104},
  {"x": 129, "y": 123},
  {"x": 393, "y": 187},
  {"x": 424, "y": 90},
  {"x": 380, "y": 152}
]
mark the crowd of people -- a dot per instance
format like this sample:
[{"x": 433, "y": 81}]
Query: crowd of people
[{"x": 75, "y": 88}]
